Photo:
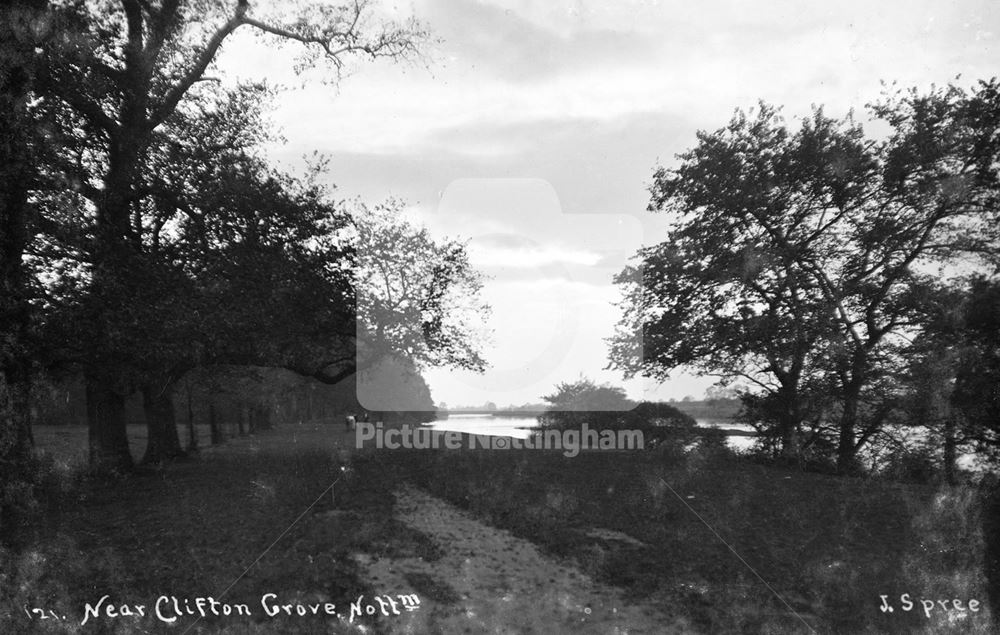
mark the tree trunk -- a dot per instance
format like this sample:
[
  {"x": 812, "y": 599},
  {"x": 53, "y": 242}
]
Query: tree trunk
[
  {"x": 990, "y": 497},
  {"x": 260, "y": 418},
  {"x": 789, "y": 423},
  {"x": 17, "y": 168},
  {"x": 161, "y": 424},
  {"x": 15, "y": 451},
  {"x": 950, "y": 450},
  {"x": 192, "y": 432},
  {"x": 240, "y": 420},
  {"x": 846, "y": 450},
  {"x": 266, "y": 423},
  {"x": 790, "y": 442},
  {"x": 847, "y": 447},
  {"x": 108, "y": 436},
  {"x": 114, "y": 258},
  {"x": 213, "y": 424}
]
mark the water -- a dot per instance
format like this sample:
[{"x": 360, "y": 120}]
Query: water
[
  {"x": 517, "y": 427},
  {"x": 523, "y": 427}
]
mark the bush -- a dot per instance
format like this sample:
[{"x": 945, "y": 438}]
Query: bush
[
  {"x": 914, "y": 465},
  {"x": 38, "y": 481},
  {"x": 656, "y": 414}
]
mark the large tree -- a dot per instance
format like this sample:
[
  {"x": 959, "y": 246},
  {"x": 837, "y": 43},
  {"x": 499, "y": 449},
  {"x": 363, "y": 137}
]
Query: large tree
[
  {"x": 132, "y": 65},
  {"x": 854, "y": 225},
  {"x": 718, "y": 298},
  {"x": 417, "y": 297},
  {"x": 23, "y": 30}
]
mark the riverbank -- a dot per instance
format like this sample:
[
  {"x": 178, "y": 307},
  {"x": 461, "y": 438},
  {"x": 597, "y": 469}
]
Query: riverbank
[{"x": 729, "y": 545}]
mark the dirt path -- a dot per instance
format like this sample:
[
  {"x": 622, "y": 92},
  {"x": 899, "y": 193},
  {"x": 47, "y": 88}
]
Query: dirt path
[{"x": 498, "y": 583}]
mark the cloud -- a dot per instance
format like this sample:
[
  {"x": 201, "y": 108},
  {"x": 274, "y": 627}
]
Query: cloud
[
  {"x": 528, "y": 256},
  {"x": 501, "y": 41},
  {"x": 584, "y": 99}
]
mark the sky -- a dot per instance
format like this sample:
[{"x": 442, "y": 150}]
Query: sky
[{"x": 533, "y": 130}]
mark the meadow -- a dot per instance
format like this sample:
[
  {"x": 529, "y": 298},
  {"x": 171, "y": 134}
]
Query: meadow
[
  {"x": 732, "y": 545},
  {"x": 726, "y": 544}
]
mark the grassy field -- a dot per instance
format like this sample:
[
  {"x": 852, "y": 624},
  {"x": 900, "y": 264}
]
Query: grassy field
[
  {"x": 828, "y": 547},
  {"x": 192, "y": 528},
  {"x": 662, "y": 525},
  {"x": 67, "y": 445}
]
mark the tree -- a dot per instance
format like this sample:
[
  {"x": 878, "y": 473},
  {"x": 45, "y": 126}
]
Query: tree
[
  {"x": 275, "y": 264},
  {"x": 720, "y": 392},
  {"x": 394, "y": 389},
  {"x": 416, "y": 297},
  {"x": 603, "y": 406},
  {"x": 808, "y": 250},
  {"x": 717, "y": 298},
  {"x": 134, "y": 64},
  {"x": 23, "y": 29},
  {"x": 976, "y": 393},
  {"x": 584, "y": 401}
]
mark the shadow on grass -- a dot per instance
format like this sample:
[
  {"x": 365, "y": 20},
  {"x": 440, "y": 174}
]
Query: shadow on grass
[
  {"x": 221, "y": 527},
  {"x": 828, "y": 546}
]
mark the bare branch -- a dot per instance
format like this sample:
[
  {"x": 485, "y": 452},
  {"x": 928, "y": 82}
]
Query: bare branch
[
  {"x": 175, "y": 94},
  {"x": 390, "y": 42}
]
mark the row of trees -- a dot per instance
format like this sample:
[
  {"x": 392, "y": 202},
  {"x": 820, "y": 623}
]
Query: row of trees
[
  {"x": 849, "y": 279},
  {"x": 145, "y": 233}
]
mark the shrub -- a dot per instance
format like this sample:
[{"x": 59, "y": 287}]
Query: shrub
[{"x": 915, "y": 465}]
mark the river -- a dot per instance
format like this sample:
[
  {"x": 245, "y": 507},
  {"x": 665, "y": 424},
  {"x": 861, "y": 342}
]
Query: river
[{"x": 523, "y": 427}]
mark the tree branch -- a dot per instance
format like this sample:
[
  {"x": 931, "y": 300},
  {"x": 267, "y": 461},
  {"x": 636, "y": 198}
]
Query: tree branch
[{"x": 175, "y": 94}]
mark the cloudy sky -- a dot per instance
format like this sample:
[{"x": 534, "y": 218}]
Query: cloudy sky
[{"x": 534, "y": 129}]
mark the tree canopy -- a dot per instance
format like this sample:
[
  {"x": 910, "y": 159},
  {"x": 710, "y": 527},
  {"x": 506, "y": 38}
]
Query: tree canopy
[
  {"x": 154, "y": 235},
  {"x": 801, "y": 258}
]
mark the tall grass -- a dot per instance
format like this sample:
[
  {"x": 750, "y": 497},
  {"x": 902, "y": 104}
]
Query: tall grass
[
  {"x": 827, "y": 547},
  {"x": 200, "y": 527}
]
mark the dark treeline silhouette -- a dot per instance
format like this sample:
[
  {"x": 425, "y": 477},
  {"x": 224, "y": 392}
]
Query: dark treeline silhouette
[
  {"x": 148, "y": 246},
  {"x": 845, "y": 279}
]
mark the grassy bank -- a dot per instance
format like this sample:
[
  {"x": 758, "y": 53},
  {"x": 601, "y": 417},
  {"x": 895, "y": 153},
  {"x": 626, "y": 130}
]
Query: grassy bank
[
  {"x": 191, "y": 529},
  {"x": 658, "y": 524},
  {"x": 829, "y": 547}
]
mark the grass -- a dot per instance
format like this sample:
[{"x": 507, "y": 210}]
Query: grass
[
  {"x": 197, "y": 529},
  {"x": 67, "y": 445},
  {"x": 828, "y": 546}
]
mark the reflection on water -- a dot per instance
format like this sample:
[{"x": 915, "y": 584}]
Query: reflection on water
[
  {"x": 517, "y": 427},
  {"x": 521, "y": 427}
]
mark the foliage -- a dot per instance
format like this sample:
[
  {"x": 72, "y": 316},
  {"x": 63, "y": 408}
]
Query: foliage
[
  {"x": 584, "y": 401},
  {"x": 796, "y": 259},
  {"x": 24, "y": 33},
  {"x": 395, "y": 391},
  {"x": 115, "y": 103},
  {"x": 416, "y": 297},
  {"x": 976, "y": 392},
  {"x": 602, "y": 406}
]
